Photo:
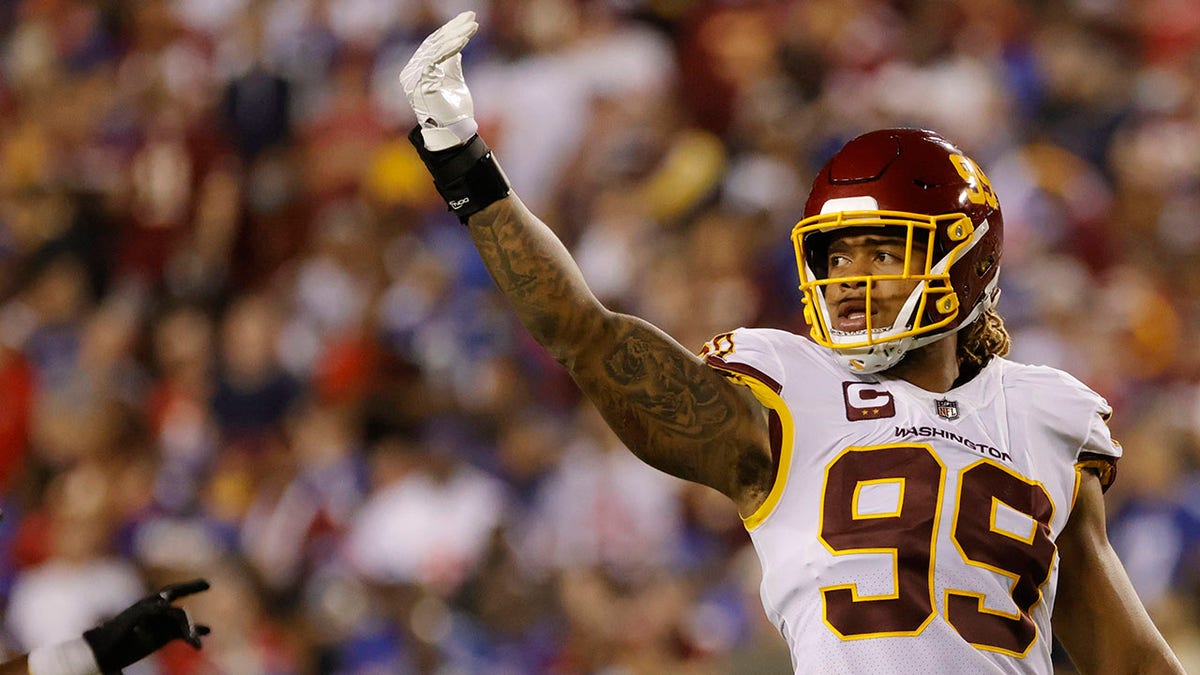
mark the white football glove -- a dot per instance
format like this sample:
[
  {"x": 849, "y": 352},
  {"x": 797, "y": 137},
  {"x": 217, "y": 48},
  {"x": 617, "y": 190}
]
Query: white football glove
[{"x": 433, "y": 82}]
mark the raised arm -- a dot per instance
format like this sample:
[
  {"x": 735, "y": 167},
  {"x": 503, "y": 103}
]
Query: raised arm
[
  {"x": 1097, "y": 615},
  {"x": 671, "y": 410}
]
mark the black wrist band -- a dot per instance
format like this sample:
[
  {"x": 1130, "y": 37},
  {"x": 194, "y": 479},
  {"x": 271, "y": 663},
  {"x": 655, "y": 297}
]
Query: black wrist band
[{"x": 467, "y": 176}]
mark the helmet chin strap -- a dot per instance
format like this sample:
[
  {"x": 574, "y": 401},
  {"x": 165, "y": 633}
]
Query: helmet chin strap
[
  {"x": 885, "y": 355},
  {"x": 874, "y": 359}
]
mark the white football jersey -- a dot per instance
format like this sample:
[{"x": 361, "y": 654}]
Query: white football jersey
[{"x": 911, "y": 531}]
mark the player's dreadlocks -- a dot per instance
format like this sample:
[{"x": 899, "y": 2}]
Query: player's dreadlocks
[{"x": 984, "y": 338}]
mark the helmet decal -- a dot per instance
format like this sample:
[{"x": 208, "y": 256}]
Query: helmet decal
[{"x": 979, "y": 188}]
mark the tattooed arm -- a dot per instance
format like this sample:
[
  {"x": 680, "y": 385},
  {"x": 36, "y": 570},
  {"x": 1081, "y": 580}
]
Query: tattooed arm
[
  {"x": 674, "y": 412},
  {"x": 671, "y": 410}
]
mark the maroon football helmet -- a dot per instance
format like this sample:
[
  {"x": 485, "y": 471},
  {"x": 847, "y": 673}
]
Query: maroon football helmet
[{"x": 925, "y": 189}]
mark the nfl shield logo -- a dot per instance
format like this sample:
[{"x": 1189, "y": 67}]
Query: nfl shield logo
[{"x": 947, "y": 409}]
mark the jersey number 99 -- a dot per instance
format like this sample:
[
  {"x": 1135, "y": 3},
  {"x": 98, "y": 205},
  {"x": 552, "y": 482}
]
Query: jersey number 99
[{"x": 909, "y": 534}]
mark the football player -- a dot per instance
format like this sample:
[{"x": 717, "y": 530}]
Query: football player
[
  {"x": 918, "y": 503},
  {"x": 140, "y": 630}
]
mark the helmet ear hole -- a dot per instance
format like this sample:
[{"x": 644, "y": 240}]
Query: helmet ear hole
[{"x": 985, "y": 264}]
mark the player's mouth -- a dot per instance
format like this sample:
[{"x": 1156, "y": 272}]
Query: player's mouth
[{"x": 852, "y": 316}]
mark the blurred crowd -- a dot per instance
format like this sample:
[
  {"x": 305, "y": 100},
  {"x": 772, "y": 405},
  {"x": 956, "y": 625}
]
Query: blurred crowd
[{"x": 242, "y": 338}]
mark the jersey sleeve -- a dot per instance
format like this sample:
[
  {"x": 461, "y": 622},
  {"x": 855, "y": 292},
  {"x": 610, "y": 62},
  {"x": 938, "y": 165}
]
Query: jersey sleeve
[
  {"x": 747, "y": 356},
  {"x": 1081, "y": 415},
  {"x": 1099, "y": 451}
]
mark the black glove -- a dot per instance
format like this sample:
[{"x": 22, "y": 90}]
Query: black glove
[{"x": 145, "y": 627}]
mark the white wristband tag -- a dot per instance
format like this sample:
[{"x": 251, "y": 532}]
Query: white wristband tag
[{"x": 73, "y": 657}]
